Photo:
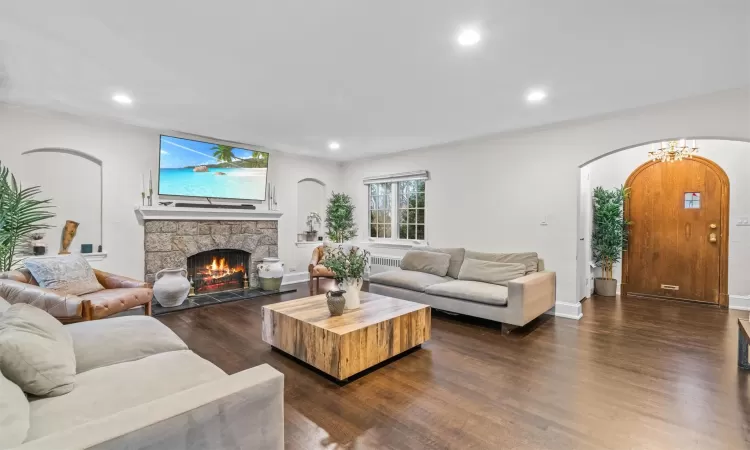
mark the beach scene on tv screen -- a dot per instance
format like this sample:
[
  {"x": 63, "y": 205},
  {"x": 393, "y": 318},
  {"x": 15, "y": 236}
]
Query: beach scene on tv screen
[{"x": 202, "y": 169}]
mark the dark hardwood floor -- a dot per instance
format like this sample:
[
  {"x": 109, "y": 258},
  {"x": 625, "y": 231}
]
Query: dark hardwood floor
[{"x": 632, "y": 374}]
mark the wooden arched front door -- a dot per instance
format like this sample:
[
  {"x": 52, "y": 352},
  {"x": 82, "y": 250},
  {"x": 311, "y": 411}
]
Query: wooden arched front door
[{"x": 678, "y": 244}]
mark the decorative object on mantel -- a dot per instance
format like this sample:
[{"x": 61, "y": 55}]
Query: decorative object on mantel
[
  {"x": 21, "y": 214},
  {"x": 87, "y": 248},
  {"x": 348, "y": 263},
  {"x": 609, "y": 237},
  {"x": 150, "y": 188},
  {"x": 271, "y": 198},
  {"x": 68, "y": 233},
  {"x": 340, "y": 218},
  {"x": 38, "y": 247},
  {"x": 171, "y": 287},
  {"x": 672, "y": 151},
  {"x": 270, "y": 272},
  {"x": 312, "y": 218},
  {"x": 336, "y": 302}
]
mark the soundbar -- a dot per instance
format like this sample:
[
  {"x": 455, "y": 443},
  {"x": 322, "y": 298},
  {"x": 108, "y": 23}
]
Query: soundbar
[{"x": 206, "y": 205}]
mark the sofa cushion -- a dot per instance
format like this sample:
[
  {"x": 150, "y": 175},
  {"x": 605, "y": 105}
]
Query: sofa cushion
[
  {"x": 457, "y": 258},
  {"x": 490, "y": 271},
  {"x": 4, "y": 305},
  {"x": 14, "y": 414},
  {"x": 112, "y": 301},
  {"x": 475, "y": 291},
  {"x": 408, "y": 279},
  {"x": 67, "y": 274},
  {"x": 108, "y": 390},
  {"x": 100, "y": 343},
  {"x": 427, "y": 262},
  {"x": 529, "y": 259},
  {"x": 37, "y": 352}
]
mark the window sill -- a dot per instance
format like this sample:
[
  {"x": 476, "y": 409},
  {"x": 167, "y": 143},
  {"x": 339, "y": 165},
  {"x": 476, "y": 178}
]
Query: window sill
[{"x": 406, "y": 244}]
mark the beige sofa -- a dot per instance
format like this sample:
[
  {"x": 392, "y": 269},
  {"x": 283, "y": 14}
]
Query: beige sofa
[
  {"x": 138, "y": 386},
  {"x": 515, "y": 303}
]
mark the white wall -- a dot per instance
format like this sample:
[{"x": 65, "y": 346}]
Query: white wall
[
  {"x": 126, "y": 152},
  {"x": 734, "y": 157},
  {"x": 493, "y": 193}
]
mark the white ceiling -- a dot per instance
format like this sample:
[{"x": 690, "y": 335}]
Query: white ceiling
[{"x": 379, "y": 76}]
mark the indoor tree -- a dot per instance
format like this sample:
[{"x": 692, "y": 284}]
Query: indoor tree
[
  {"x": 340, "y": 218},
  {"x": 610, "y": 233},
  {"x": 21, "y": 215}
]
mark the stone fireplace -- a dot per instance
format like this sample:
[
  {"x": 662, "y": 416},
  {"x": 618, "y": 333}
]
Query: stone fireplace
[{"x": 182, "y": 243}]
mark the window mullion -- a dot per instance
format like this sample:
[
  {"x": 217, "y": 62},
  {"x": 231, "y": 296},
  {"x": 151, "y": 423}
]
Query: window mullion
[{"x": 394, "y": 210}]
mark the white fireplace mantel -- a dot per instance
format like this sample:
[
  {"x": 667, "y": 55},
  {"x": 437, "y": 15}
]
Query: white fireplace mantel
[{"x": 144, "y": 213}]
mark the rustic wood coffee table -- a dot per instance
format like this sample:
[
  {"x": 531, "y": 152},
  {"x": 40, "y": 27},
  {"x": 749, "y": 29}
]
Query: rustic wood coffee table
[{"x": 341, "y": 346}]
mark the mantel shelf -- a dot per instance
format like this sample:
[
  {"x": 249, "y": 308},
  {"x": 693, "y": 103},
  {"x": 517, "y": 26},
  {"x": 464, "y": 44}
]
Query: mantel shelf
[{"x": 144, "y": 213}]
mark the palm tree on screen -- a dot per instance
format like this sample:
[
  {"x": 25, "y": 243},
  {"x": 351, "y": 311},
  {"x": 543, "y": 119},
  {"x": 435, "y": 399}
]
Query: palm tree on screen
[{"x": 223, "y": 153}]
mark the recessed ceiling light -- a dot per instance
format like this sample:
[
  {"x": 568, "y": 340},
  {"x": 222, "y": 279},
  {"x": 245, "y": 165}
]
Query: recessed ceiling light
[
  {"x": 122, "y": 99},
  {"x": 469, "y": 37},
  {"x": 536, "y": 96},
  {"x": 333, "y": 145}
]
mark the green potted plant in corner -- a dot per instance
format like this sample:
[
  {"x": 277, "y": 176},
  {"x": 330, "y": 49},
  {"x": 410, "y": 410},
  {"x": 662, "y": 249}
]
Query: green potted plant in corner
[
  {"x": 340, "y": 218},
  {"x": 21, "y": 215},
  {"x": 348, "y": 263},
  {"x": 610, "y": 235},
  {"x": 311, "y": 234}
]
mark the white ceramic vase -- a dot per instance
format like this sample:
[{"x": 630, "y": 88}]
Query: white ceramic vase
[
  {"x": 171, "y": 287},
  {"x": 270, "y": 272},
  {"x": 352, "y": 288}
]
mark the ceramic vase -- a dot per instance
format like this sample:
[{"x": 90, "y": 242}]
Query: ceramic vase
[
  {"x": 352, "y": 288},
  {"x": 270, "y": 272},
  {"x": 68, "y": 233},
  {"x": 171, "y": 287},
  {"x": 336, "y": 302}
]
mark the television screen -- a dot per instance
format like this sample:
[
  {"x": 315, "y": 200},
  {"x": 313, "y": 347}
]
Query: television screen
[{"x": 203, "y": 169}]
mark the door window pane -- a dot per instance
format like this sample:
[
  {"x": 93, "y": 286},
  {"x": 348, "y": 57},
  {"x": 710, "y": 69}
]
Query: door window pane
[{"x": 692, "y": 200}]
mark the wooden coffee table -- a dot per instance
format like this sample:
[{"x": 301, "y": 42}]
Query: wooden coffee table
[{"x": 341, "y": 346}]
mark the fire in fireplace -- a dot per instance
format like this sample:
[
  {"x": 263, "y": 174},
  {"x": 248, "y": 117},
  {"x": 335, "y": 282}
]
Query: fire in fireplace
[{"x": 218, "y": 270}]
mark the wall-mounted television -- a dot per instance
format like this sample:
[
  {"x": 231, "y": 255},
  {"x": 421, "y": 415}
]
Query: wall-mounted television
[{"x": 191, "y": 168}]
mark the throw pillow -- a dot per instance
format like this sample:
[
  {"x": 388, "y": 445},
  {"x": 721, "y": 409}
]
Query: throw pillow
[
  {"x": 457, "y": 257},
  {"x": 490, "y": 271},
  {"x": 37, "y": 351},
  {"x": 427, "y": 262},
  {"x": 14, "y": 414},
  {"x": 529, "y": 259},
  {"x": 68, "y": 274}
]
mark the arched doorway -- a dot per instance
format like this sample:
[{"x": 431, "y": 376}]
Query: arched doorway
[{"x": 678, "y": 247}]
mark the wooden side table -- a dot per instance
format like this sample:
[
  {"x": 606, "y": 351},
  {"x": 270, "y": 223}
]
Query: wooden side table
[{"x": 744, "y": 341}]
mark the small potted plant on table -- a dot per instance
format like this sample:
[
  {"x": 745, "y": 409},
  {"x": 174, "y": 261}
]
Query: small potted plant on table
[
  {"x": 609, "y": 237},
  {"x": 311, "y": 234},
  {"x": 348, "y": 263}
]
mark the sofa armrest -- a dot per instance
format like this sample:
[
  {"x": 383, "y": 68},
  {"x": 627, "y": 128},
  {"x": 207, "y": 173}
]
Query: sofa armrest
[
  {"x": 531, "y": 296},
  {"x": 315, "y": 259},
  {"x": 60, "y": 306},
  {"x": 112, "y": 281},
  {"x": 244, "y": 410}
]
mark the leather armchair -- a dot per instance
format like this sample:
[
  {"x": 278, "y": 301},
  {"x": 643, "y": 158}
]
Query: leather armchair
[{"x": 119, "y": 294}]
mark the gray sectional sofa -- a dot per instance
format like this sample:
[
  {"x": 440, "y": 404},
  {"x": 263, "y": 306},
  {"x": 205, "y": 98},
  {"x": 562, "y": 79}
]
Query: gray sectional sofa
[{"x": 511, "y": 288}]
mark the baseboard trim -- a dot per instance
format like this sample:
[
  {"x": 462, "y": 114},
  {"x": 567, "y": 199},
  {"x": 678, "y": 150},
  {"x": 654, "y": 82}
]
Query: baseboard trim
[
  {"x": 740, "y": 302},
  {"x": 567, "y": 310},
  {"x": 295, "y": 277}
]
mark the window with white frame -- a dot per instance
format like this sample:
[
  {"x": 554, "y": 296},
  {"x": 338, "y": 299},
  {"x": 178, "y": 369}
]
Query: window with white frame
[{"x": 397, "y": 207}]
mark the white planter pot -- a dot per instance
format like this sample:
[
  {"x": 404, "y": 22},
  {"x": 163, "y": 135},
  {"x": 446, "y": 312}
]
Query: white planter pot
[
  {"x": 270, "y": 272},
  {"x": 171, "y": 287},
  {"x": 352, "y": 288}
]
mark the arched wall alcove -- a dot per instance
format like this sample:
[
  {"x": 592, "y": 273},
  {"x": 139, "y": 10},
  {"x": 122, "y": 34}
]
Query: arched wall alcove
[
  {"x": 611, "y": 169},
  {"x": 311, "y": 196},
  {"x": 73, "y": 180}
]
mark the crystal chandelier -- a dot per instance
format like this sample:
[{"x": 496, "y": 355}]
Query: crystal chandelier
[{"x": 672, "y": 151}]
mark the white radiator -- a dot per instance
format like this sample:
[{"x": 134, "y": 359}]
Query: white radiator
[{"x": 383, "y": 263}]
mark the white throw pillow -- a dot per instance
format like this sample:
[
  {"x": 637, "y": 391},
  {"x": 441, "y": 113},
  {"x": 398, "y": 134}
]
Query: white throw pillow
[
  {"x": 67, "y": 274},
  {"x": 14, "y": 414},
  {"x": 37, "y": 351}
]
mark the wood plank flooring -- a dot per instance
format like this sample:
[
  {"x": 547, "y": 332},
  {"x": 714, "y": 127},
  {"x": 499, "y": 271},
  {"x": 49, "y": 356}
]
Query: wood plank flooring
[{"x": 632, "y": 374}]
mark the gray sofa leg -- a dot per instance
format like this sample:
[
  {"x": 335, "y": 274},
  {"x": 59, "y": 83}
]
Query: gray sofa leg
[{"x": 506, "y": 328}]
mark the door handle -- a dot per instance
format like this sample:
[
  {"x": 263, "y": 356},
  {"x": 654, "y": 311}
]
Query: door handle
[{"x": 712, "y": 235}]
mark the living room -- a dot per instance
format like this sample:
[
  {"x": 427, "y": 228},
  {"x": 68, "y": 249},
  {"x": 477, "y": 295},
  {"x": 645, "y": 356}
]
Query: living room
[{"x": 450, "y": 148}]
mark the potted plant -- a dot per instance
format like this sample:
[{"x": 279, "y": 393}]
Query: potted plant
[
  {"x": 21, "y": 215},
  {"x": 610, "y": 235},
  {"x": 348, "y": 264},
  {"x": 340, "y": 218},
  {"x": 312, "y": 219}
]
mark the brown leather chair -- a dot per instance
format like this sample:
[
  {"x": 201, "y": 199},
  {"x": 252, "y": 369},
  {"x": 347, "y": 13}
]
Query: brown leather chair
[
  {"x": 119, "y": 294},
  {"x": 316, "y": 269}
]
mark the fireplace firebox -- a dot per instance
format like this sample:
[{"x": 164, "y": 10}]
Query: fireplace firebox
[{"x": 218, "y": 270}]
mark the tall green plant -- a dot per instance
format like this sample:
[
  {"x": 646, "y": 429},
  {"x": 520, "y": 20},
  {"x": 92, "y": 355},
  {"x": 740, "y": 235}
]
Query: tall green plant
[
  {"x": 21, "y": 214},
  {"x": 340, "y": 218},
  {"x": 610, "y": 234}
]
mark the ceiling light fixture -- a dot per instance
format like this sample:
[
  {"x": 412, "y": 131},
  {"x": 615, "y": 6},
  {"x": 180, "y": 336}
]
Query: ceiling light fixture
[
  {"x": 333, "y": 145},
  {"x": 672, "y": 151},
  {"x": 469, "y": 37},
  {"x": 122, "y": 99},
  {"x": 536, "y": 96}
]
